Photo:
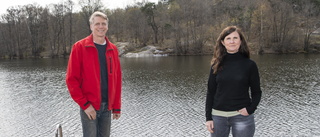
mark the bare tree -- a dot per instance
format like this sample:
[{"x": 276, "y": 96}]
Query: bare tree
[
  {"x": 10, "y": 36},
  {"x": 141, "y": 33},
  {"x": 117, "y": 24},
  {"x": 309, "y": 21},
  {"x": 36, "y": 18},
  {"x": 87, "y": 8},
  {"x": 189, "y": 27},
  {"x": 175, "y": 17},
  {"x": 69, "y": 9},
  {"x": 280, "y": 23},
  {"x": 57, "y": 29},
  {"x": 149, "y": 10},
  {"x": 2, "y": 49}
]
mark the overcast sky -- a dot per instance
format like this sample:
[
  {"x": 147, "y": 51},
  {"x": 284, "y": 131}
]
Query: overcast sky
[{"x": 111, "y": 4}]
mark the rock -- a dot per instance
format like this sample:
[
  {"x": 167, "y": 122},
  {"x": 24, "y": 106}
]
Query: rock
[
  {"x": 147, "y": 51},
  {"x": 122, "y": 47}
]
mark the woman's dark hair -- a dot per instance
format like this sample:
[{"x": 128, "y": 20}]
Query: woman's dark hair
[{"x": 220, "y": 50}]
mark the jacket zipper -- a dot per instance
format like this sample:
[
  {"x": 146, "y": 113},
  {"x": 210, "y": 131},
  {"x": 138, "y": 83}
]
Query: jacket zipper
[{"x": 110, "y": 60}]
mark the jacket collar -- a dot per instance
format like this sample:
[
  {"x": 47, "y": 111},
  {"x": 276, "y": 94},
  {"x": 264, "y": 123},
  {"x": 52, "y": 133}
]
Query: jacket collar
[{"x": 89, "y": 42}]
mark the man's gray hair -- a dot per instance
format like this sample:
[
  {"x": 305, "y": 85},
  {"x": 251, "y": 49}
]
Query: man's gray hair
[{"x": 98, "y": 14}]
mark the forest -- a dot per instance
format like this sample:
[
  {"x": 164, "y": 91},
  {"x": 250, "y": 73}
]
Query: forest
[{"x": 188, "y": 27}]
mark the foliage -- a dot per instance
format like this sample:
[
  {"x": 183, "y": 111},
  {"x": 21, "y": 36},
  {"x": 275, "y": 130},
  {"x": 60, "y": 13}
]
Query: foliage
[{"x": 188, "y": 27}]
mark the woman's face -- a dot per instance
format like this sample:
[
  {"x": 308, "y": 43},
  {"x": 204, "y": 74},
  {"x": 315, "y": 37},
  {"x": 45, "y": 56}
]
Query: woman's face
[{"x": 232, "y": 42}]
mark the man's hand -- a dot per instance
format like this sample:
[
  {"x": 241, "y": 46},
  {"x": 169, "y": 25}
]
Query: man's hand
[
  {"x": 116, "y": 116},
  {"x": 91, "y": 112}
]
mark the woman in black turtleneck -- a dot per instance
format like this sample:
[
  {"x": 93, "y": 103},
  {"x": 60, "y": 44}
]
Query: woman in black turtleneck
[{"x": 229, "y": 104}]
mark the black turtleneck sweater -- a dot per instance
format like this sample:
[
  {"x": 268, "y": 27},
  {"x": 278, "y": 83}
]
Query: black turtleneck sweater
[{"x": 228, "y": 90}]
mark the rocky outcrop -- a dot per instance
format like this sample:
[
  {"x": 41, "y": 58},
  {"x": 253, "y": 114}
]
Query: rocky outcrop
[
  {"x": 147, "y": 51},
  {"x": 122, "y": 47}
]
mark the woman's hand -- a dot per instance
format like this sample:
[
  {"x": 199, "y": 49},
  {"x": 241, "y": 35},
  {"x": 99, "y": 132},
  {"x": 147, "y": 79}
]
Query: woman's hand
[
  {"x": 243, "y": 112},
  {"x": 210, "y": 126}
]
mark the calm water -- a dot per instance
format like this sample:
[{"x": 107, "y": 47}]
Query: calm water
[{"x": 162, "y": 97}]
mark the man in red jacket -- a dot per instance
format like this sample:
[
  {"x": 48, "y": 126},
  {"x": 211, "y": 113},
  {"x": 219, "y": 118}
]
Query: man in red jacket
[{"x": 94, "y": 79}]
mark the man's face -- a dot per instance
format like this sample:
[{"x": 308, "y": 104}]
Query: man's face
[{"x": 99, "y": 27}]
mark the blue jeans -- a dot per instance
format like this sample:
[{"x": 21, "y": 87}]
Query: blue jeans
[
  {"x": 241, "y": 126},
  {"x": 100, "y": 127}
]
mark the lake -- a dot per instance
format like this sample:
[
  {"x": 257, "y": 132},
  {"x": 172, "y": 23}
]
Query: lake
[{"x": 162, "y": 97}]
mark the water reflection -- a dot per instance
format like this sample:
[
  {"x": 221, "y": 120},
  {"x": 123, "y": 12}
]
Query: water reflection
[
  {"x": 162, "y": 96},
  {"x": 166, "y": 94},
  {"x": 291, "y": 90}
]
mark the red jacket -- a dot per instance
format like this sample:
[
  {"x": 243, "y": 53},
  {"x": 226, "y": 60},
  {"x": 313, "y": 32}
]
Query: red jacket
[{"x": 83, "y": 75}]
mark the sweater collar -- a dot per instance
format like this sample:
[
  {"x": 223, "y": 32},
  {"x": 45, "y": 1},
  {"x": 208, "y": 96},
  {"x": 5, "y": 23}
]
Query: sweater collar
[{"x": 233, "y": 56}]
